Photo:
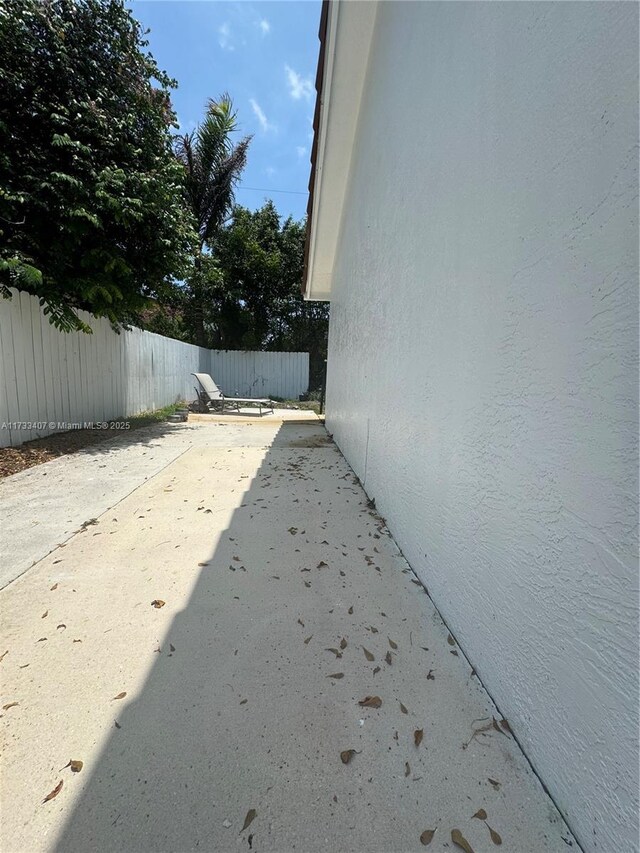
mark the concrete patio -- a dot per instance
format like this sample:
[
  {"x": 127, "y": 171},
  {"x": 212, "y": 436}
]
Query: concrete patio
[{"x": 202, "y": 643}]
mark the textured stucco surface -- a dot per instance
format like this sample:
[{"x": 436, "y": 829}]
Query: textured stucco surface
[{"x": 482, "y": 374}]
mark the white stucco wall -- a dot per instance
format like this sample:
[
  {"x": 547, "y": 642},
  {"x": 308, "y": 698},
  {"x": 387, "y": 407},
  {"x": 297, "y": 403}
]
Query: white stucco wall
[{"x": 483, "y": 361}]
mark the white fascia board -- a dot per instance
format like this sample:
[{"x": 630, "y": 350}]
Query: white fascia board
[{"x": 350, "y": 27}]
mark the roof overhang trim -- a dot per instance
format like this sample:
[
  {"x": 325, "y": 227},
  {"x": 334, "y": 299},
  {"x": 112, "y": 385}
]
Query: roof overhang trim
[{"x": 346, "y": 33}]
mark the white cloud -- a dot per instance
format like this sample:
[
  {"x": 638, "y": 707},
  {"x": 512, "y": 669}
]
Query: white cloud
[
  {"x": 224, "y": 36},
  {"x": 302, "y": 150},
  {"x": 260, "y": 115},
  {"x": 299, "y": 87},
  {"x": 264, "y": 26}
]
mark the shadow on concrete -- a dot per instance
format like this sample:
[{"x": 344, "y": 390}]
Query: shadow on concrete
[
  {"x": 245, "y": 708},
  {"x": 217, "y": 728}
]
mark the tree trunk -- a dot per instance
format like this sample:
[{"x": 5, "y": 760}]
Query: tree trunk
[{"x": 198, "y": 309}]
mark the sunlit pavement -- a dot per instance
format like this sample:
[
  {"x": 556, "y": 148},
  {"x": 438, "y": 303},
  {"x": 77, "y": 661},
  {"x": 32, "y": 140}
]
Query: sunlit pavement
[{"x": 214, "y": 648}]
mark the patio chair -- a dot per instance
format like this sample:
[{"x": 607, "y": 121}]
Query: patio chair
[{"x": 211, "y": 397}]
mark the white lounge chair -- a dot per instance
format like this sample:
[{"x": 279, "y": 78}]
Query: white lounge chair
[{"x": 211, "y": 397}]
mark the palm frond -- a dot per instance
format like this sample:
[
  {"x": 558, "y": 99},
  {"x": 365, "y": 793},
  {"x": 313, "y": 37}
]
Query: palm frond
[
  {"x": 212, "y": 165},
  {"x": 218, "y": 196}
]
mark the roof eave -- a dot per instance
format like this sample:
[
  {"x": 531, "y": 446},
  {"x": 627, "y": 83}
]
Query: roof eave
[{"x": 346, "y": 32}]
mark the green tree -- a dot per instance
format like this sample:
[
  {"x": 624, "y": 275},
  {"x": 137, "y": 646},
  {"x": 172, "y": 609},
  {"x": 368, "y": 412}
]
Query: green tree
[
  {"x": 91, "y": 209},
  {"x": 213, "y": 165},
  {"x": 257, "y": 302}
]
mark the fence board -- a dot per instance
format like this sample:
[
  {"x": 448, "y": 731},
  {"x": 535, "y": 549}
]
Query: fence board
[{"x": 47, "y": 377}]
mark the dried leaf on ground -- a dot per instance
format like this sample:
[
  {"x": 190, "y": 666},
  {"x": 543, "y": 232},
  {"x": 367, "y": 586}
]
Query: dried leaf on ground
[
  {"x": 75, "y": 764},
  {"x": 343, "y": 644},
  {"x": 350, "y": 611},
  {"x": 494, "y": 782},
  {"x": 450, "y": 640},
  {"x": 55, "y": 586},
  {"x": 120, "y": 695},
  {"x": 4, "y": 654},
  {"x": 370, "y": 702},
  {"x": 480, "y": 814},
  {"x": 9, "y": 705},
  {"x": 392, "y": 644},
  {"x": 481, "y": 730},
  {"x": 376, "y": 670},
  {"x": 407, "y": 769},
  {"x": 52, "y": 794},
  {"x": 45, "y": 614},
  {"x": 306, "y": 642},
  {"x": 431, "y": 676},
  {"x": 403, "y": 708},
  {"x": 158, "y": 603},
  {"x": 250, "y": 816},
  {"x": 300, "y": 622},
  {"x": 460, "y": 841},
  {"x": 417, "y": 736},
  {"x": 336, "y": 675},
  {"x": 388, "y": 658},
  {"x": 368, "y": 654},
  {"x": 427, "y": 836},
  {"x": 61, "y": 625},
  {"x": 505, "y": 725},
  {"x": 347, "y": 754},
  {"x": 495, "y": 837},
  {"x": 321, "y": 565}
]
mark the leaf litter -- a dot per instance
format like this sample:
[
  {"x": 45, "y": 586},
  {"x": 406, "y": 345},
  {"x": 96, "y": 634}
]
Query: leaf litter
[
  {"x": 495, "y": 836},
  {"x": 460, "y": 841},
  {"x": 248, "y": 819},
  {"x": 53, "y": 794},
  {"x": 370, "y": 702}
]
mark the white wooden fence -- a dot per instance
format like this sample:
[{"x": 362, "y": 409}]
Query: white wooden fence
[
  {"x": 51, "y": 381},
  {"x": 259, "y": 374}
]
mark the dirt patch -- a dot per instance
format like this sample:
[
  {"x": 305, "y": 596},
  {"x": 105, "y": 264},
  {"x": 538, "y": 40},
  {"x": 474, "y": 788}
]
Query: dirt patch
[{"x": 15, "y": 459}]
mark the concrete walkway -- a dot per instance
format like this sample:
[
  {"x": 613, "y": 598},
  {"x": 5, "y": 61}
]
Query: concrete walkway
[
  {"x": 281, "y": 603},
  {"x": 42, "y": 507}
]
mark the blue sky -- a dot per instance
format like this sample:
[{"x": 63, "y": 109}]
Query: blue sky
[{"x": 264, "y": 54}]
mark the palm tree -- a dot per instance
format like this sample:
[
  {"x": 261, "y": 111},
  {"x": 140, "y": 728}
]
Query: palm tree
[{"x": 213, "y": 165}]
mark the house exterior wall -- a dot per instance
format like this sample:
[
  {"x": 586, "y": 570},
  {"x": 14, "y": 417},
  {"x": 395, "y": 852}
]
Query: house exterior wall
[{"x": 482, "y": 361}]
